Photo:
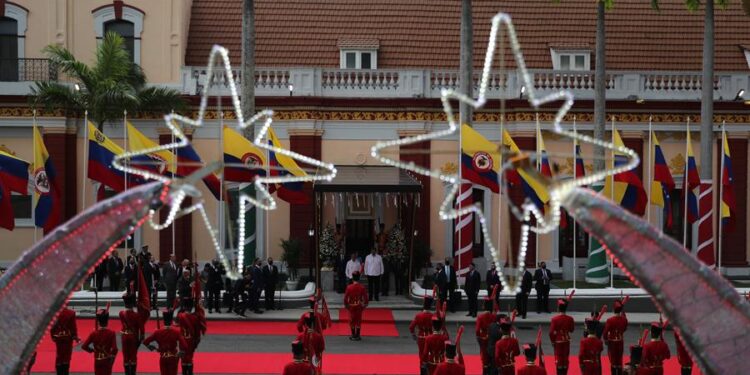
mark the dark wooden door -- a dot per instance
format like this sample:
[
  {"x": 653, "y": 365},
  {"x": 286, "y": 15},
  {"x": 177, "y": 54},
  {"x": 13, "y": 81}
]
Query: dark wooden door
[{"x": 359, "y": 236}]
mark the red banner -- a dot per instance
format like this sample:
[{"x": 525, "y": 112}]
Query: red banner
[{"x": 463, "y": 236}]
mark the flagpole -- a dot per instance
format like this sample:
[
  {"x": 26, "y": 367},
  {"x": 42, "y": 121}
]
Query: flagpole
[
  {"x": 125, "y": 142},
  {"x": 85, "y": 158},
  {"x": 174, "y": 172},
  {"x": 460, "y": 205},
  {"x": 538, "y": 168},
  {"x": 612, "y": 196},
  {"x": 685, "y": 187},
  {"x": 721, "y": 189},
  {"x": 649, "y": 171},
  {"x": 220, "y": 211},
  {"x": 575, "y": 234},
  {"x": 33, "y": 163}
]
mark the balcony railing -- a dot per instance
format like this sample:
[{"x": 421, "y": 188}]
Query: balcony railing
[
  {"x": 23, "y": 70},
  {"x": 410, "y": 83}
]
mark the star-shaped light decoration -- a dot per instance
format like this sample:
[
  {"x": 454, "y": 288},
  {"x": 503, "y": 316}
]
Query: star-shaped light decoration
[
  {"x": 557, "y": 189},
  {"x": 181, "y": 188}
]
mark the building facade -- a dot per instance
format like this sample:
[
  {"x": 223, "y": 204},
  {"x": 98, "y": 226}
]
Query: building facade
[{"x": 342, "y": 75}]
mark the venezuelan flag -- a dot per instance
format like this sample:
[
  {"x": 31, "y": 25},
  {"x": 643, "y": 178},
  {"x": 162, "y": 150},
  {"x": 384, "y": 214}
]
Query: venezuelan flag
[
  {"x": 480, "y": 159},
  {"x": 239, "y": 150},
  {"x": 46, "y": 193},
  {"x": 663, "y": 183},
  {"x": 511, "y": 175},
  {"x": 102, "y": 152},
  {"x": 282, "y": 165},
  {"x": 14, "y": 176},
  {"x": 628, "y": 188},
  {"x": 159, "y": 162},
  {"x": 580, "y": 170},
  {"x": 544, "y": 167},
  {"x": 728, "y": 202},
  {"x": 533, "y": 189},
  {"x": 690, "y": 181}
]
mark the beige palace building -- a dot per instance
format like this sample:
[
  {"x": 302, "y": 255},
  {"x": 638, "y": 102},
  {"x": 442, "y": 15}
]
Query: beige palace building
[{"x": 344, "y": 74}]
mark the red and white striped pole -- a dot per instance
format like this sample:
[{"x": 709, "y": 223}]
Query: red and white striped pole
[
  {"x": 705, "y": 248},
  {"x": 464, "y": 232}
]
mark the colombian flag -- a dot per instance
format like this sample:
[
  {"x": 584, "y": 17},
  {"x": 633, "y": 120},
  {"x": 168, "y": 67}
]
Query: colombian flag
[
  {"x": 580, "y": 170},
  {"x": 663, "y": 183},
  {"x": 102, "y": 152},
  {"x": 159, "y": 162},
  {"x": 628, "y": 188},
  {"x": 282, "y": 165},
  {"x": 691, "y": 180},
  {"x": 728, "y": 202},
  {"x": 14, "y": 176},
  {"x": 239, "y": 150},
  {"x": 46, "y": 193},
  {"x": 533, "y": 189},
  {"x": 480, "y": 159}
]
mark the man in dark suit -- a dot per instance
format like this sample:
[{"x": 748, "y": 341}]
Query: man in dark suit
[
  {"x": 473, "y": 281},
  {"x": 169, "y": 275},
  {"x": 100, "y": 273},
  {"x": 257, "y": 279},
  {"x": 542, "y": 278},
  {"x": 114, "y": 271},
  {"x": 270, "y": 279},
  {"x": 213, "y": 286},
  {"x": 492, "y": 278},
  {"x": 441, "y": 281},
  {"x": 450, "y": 274},
  {"x": 130, "y": 271},
  {"x": 522, "y": 297}
]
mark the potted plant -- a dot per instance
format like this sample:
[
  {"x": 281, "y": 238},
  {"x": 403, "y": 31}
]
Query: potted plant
[
  {"x": 328, "y": 248},
  {"x": 292, "y": 251}
]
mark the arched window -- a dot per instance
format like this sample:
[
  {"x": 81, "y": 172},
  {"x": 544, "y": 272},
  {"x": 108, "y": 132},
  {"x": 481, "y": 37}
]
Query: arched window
[
  {"x": 8, "y": 49},
  {"x": 126, "y": 30}
]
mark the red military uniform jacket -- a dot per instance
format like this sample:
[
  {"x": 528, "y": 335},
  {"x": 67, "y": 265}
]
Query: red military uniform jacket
[
  {"x": 532, "y": 369},
  {"x": 614, "y": 328},
  {"x": 434, "y": 349},
  {"x": 421, "y": 325},
  {"x": 168, "y": 338},
  {"x": 65, "y": 328},
  {"x": 104, "y": 341},
  {"x": 589, "y": 355},
  {"x": 298, "y": 368},
  {"x": 683, "y": 357},
  {"x": 302, "y": 324},
  {"x": 450, "y": 368},
  {"x": 355, "y": 295},
  {"x": 560, "y": 328},
  {"x": 506, "y": 351},
  {"x": 313, "y": 343},
  {"x": 132, "y": 324},
  {"x": 655, "y": 352},
  {"x": 190, "y": 328},
  {"x": 483, "y": 325}
]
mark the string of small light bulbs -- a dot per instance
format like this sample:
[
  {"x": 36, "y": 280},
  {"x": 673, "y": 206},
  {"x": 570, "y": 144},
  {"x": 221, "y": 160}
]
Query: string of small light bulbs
[
  {"x": 179, "y": 192},
  {"x": 558, "y": 189}
]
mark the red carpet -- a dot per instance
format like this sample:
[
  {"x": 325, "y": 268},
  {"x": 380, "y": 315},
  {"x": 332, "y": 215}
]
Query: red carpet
[
  {"x": 242, "y": 327},
  {"x": 370, "y": 315},
  {"x": 273, "y": 363}
]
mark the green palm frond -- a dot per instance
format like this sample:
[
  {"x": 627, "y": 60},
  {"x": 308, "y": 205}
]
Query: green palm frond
[
  {"x": 67, "y": 63},
  {"x": 160, "y": 98},
  {"x": 112, "y": 60},
  {"x": 55, "y": 95}
]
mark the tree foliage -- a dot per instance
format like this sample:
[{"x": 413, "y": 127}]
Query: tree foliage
[{"x": 113, "y": 84}]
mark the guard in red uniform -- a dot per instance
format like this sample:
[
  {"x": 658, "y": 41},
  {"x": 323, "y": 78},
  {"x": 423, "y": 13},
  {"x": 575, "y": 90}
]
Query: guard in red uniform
[
  {"x": 560, "y": 329},
  {"x": 190, "y": 328},
  {"x": 301, "y": 325},
  {"x": 590, "y": 350},
  {"x": 614, "y": 330},
  {"x": 421, "y": 325},
  {"x": 104, "y": 341},
  {"x": 298, "y": 366},
  {"x": 63, "y": 333},
  {"x": 482, "y": 332},
  {"x": 506, "y": 350},
  {"x": 433, "y": 352},
  {"x": 132, "y": 333},
  {"x": 451, "y": 366},
  {"x": 313, "y": 345},
  {"x": 683, "y": 357},
  {"x": 655, "y": 352},
  {"x": 355, "y": 300},
  {"x": 529, "y": 351},
  {"x": 171, "y": 345}
]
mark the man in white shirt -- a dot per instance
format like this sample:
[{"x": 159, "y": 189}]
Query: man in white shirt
[
  {"x": 373, "y": 270},
  {"x": 352, "y": 266}
]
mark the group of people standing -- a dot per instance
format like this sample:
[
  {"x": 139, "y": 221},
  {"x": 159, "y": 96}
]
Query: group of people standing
[{"x": 257, "y": 280}]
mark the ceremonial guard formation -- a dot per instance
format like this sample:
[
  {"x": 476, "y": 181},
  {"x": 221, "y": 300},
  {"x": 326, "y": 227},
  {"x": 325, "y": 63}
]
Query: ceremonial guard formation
[
  {"x": 355, "y": 301},
  {"x": 614, "y": 329},
  {"x": 655, "y": 352},
  {"x": 590, "y": 349},
  {"x": 102, "y": 343},
  {"x": 171, "y": 344},
  {"x": 132, "y": 333},
  {"x": 64, "y": 332},
  {"x": 561, "y": 326},
  {"x": 506, "y": 350},
  {"x": 433, "y": 352},
  {"x": 421, "y": 325}
]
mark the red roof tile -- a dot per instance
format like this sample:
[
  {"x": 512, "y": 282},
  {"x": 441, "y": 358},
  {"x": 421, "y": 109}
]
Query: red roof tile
[{"x": 425, "y": 34}]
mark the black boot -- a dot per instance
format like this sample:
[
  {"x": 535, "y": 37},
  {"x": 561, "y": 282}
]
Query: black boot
[
  {"x": 686, "y": 370},
  {"x": 187, "y": 369},
  {"x": 562, "y": 371},
  {"x": 60, "y": 369},
  {"x": 359, "y": 337},
  {"x": 354, "y": 334}
]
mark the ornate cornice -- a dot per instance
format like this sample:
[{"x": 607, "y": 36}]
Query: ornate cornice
[{"x": 302, "y": 132}]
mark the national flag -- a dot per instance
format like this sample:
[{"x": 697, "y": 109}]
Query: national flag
[
  {"x": 663, "y": 183},
  {"x": 239, "y": 150},
  {"x": 14, "y": 177},
  {"x": 544, "y": 167},
  {"x": 728, "y": 202},
  {"x": 160, "y": 162},
  {"x": 144, "y": 295},
  {"x": 282, "y": 165},
  {"x": 511, "y": 175},
  {"x": 480, "y": 159},
  {"x": 102, "y": 152},
  {"x": 533, "y": 190},
  {"x": 46, "y": 191},
  {"x": 691, "y": 180},
  {"x": 628, "y": 188},
  {"x": 580, "y": 170}
]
